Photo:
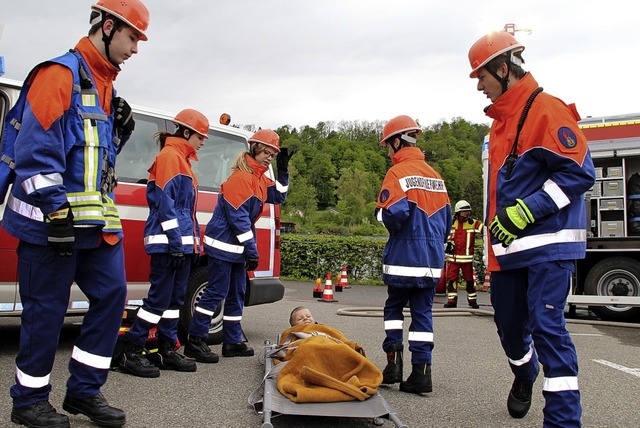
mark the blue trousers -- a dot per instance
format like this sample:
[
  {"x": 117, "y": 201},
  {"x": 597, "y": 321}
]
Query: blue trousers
[
  {"x": 228, "y": 282},
  {"x": 162, "y": 305},
  {"x": 421, "y": 327},
  {"x": 45, "y": 283},
  {"x": 529, "y": 313}
]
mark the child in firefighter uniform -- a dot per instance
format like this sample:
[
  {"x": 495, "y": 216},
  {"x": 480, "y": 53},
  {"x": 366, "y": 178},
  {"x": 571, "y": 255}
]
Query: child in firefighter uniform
[
  {"x": 172, "y": 238},
  {"x": 230, "y": 244},
  {"x": 539, "y": 170},
  {"x": 459, "y": 254},
  {"x": 414, "y": 207},
  {"x": 62, "y": 210}
]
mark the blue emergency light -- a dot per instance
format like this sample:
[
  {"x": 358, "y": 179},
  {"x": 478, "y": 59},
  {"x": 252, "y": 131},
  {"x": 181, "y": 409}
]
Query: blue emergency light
[{"x": 1, "y": 65}]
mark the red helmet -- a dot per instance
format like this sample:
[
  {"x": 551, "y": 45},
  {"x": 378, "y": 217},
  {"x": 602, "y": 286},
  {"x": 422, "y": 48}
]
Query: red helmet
[
  {"x": 131, "y": 12},
  {"x": 193, "y": 120},
  {"x": 267, "y": 137},
  {"x": 399, "y": 125},
  {"x": 490, "y": 46}
]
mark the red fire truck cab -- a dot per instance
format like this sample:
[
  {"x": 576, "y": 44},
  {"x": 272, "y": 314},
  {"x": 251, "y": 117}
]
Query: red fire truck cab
[{"x": 214, "y": 166}]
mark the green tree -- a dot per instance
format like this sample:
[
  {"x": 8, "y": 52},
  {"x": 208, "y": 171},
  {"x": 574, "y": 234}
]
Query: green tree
[
  {"x": 322, "y": 172},
  {"x": 342, "y": 166},
  {"x": 301, "y": 203},
  {"x": 354, "y": 190}
]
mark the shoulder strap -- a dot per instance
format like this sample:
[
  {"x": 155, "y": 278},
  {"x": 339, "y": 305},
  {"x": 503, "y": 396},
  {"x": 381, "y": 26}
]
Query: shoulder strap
[
  {"x": 14, "y": 117},
  {"x": 513, "y": 155},
  {"x": 85, "y": 77}
]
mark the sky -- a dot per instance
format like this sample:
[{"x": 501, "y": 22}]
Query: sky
[{"x": 270, "y": 63}]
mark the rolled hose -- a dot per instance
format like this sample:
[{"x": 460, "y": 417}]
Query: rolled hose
[{"x": 378, "y": 312}]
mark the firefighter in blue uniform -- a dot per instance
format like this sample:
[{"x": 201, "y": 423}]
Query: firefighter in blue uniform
[
  {"x": 537, "y": 180},
  {"x": 231, "y": 246},
  {"x": 414, "y": 207},
  {"x": 172, "y": 238},
  {"x": 62, "y": 210}
]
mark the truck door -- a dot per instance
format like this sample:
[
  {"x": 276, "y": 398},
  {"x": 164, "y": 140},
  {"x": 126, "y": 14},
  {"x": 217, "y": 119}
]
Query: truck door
[{"x": 8, "y": 244}]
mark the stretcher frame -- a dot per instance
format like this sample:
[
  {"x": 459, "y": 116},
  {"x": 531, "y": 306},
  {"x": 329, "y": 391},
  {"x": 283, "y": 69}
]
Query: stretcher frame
[{"x": 273, "y": 403}]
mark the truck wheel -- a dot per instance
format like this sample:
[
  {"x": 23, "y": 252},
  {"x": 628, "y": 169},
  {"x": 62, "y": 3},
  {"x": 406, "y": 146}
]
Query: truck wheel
[
  {"x": 618, "y": 276},
  {"x": 198, "y": 281}
]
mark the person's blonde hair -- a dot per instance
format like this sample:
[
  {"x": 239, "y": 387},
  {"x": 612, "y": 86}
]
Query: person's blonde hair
[{"x": 241, "y": 161}]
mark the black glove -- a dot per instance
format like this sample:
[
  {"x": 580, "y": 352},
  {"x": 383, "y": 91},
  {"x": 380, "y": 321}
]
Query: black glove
[
  {"x": 448, "y": 249},
  {"x": 61, "y": 235},
  {"x": 195, "y": 261},
  {"x": 251, "y": 263},
  {"x": 176, "y": 260},
  {"x": 283, "y": 158},
  {"x": 123, "y": 117}
]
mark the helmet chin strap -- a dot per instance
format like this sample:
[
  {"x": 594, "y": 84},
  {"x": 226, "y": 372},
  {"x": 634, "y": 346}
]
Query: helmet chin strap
[
  {"x": 107, "y": 39},
  {"x": 504, "y": 81},
  {"x": 253, "y": 149}
]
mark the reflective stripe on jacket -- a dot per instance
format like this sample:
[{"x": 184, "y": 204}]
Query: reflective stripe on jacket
[
  {"x": 62, "y": 145},
  {"x": 463, "y": 235},
  {"x": 172, "y": 194},
  {"x": 230, "y": 234},
  {"x": 414, "y": 207},
  {"x": 551, "y": 175}
]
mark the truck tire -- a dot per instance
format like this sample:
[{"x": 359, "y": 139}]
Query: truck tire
[
  {"x": 618, "y": 276},
  {"x": 198, "y": 281}
]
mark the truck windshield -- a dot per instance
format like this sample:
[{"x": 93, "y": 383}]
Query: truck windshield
[{"x": 215, "y": 158}]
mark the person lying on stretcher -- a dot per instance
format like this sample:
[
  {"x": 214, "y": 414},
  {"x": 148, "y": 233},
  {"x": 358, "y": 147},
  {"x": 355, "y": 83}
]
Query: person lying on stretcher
[{"x": 322, "y": 365}]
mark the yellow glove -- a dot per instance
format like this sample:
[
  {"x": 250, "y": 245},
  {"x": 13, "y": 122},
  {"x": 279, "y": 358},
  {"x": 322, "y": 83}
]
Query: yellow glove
[{"x": 508, "y": 223}]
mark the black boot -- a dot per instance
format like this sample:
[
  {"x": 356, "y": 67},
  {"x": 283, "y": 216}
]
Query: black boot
[
  {"x": 519, "y": 400},
  {"x": 97, "y": 409},
  {"x": 451, "y": 303},
  {"x": 419, "y": 380},
  {"x": 134, "y": 361},
  {"x": 197, "y": 348},
  {"x": 392, "y": 373},
  {"x": 472, "y": 295},
  {"x": 236, "y": 350},
  {"x": 40, "y": 414},
  {"x": 168, "y": 359},
  {"x": 452, "y": 298}
]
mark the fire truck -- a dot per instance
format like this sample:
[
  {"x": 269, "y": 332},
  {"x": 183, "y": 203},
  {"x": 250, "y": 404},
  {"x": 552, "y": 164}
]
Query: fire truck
[
  {"x": 607, "y": 280},
  {"x": 214, "y": 166}
]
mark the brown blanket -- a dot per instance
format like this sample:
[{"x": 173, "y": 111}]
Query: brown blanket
[{"x": 324, "y": 367}]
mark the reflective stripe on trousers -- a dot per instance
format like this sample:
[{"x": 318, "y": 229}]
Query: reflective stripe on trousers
[
  {"x": 420, "y": 337},
  {"x": 45, "y": 280},
  {"x": 529, "y": 311}
]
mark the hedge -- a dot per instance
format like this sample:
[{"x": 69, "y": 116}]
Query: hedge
[
  {"x": 307, "y": 257},
  {"x": 311, "y": 257}
]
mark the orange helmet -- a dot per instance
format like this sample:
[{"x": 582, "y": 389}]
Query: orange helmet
[
  {"x": 399, "y": 125},
  {"x": 131, "y": 12},
  {"x": 193, "y": 120},
  {"x": 490, "y": 46},
  {"x": 267, "y": 137}
]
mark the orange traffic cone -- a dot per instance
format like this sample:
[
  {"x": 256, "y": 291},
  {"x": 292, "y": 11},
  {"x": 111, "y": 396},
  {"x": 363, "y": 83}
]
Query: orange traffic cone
[
  {"x": 338, "y": 286},
  {"x": 317, "y": 289},
  {"x": 487, "y": 281},
  {"x": 344, "y": 283},
  {"x": 327, "y": 294}
]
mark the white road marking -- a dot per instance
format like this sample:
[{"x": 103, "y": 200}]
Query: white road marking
[{"x": 634, "y": 372}]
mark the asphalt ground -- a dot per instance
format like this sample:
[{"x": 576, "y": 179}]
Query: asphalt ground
[{"x": 471, "y": 377}]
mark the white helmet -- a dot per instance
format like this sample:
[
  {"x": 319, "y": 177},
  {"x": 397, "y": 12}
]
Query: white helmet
[{"x": 462, "y": 205}]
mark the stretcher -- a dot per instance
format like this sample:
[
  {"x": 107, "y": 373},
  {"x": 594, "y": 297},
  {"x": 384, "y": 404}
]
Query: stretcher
[{"x": 270, "y": 403}]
